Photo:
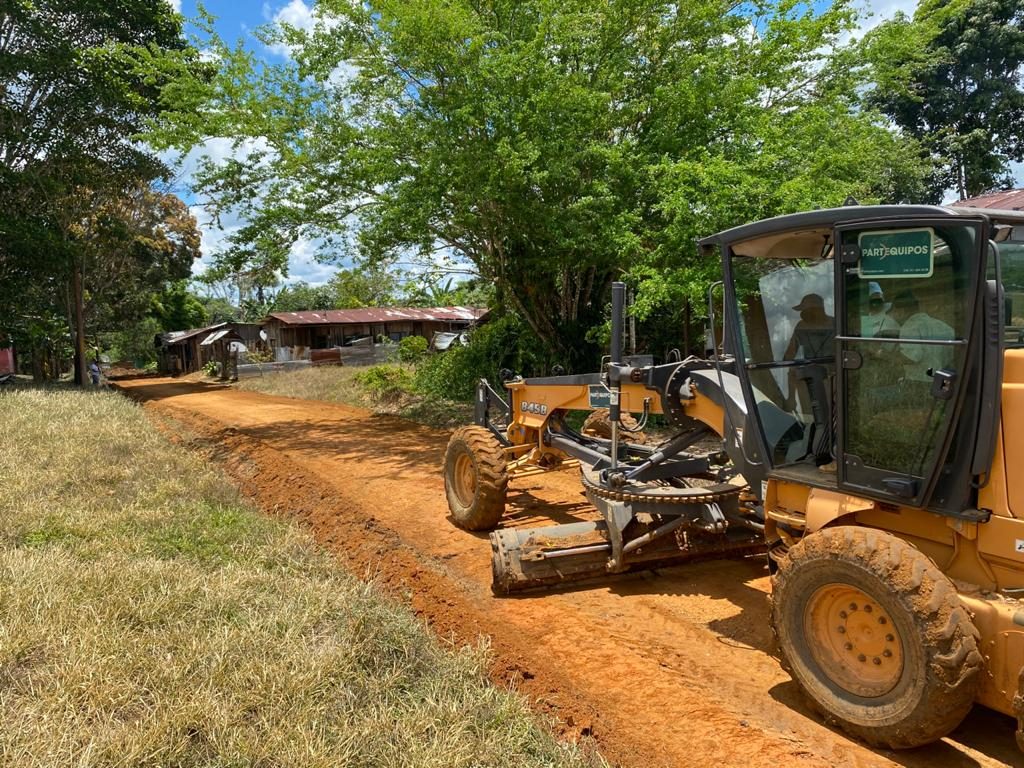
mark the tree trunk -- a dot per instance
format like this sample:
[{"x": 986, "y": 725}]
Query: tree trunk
[{"x": 79, "y": 331}]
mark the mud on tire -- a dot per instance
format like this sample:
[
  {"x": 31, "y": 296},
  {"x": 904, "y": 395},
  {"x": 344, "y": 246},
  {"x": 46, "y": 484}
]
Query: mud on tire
[
  {"x": 475, "y": 478},
  {"x": 599, "y": 424},
  {"x": 909, "y": 613}
]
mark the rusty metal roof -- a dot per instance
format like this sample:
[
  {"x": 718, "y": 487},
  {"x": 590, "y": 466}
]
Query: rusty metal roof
[
  {"x": 1006, "y": 200},
  {"x": 380, "y": 315}
]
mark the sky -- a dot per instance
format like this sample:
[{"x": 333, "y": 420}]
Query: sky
[{"x": 236, "y": 19}]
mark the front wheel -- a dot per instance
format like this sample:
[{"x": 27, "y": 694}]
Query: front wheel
[
  {"x": 875, "y": 635},
  {"x": 475, "y": 478}
]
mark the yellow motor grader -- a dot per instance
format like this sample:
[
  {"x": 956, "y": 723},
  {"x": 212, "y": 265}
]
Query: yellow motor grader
[{"x": 857, "y": 423}]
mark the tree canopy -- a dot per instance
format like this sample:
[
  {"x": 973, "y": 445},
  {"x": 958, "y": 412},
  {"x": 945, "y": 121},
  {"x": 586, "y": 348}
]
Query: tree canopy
[
  {"x": 551, "y": 145},
  {"x": 78, "y": 81},
  {"x": 953, "y": 78}
]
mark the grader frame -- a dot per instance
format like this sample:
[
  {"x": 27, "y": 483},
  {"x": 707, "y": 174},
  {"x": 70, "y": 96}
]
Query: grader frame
[{"x": 878, "y": 471}]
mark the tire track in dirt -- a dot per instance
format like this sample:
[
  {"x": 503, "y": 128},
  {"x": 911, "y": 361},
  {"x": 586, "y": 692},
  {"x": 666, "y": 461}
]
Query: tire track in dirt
[{"x": 660, "y": 670}]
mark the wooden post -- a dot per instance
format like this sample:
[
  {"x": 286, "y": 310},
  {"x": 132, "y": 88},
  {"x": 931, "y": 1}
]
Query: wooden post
[{"x": 79, "y": 308}]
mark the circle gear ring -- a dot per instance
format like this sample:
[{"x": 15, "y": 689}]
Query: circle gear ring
[{"x": 660, "y": 494}]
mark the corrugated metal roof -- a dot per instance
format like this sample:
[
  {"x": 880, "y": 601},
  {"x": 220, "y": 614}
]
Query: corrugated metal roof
[
  {"x": 175, "y": 337},
  {"x": 214, "y": 336},
  {"x": 380, "y": 315},
  {"x": 1006, "y": 200}
]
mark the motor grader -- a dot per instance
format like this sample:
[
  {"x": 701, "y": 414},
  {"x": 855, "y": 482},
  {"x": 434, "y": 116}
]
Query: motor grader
[{"x": 861, "y": 421}]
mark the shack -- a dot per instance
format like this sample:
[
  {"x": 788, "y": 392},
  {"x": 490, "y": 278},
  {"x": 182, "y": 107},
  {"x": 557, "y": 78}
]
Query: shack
[
  {"x": 188, "y": 351},
  {"x": 292, "y": 334}
]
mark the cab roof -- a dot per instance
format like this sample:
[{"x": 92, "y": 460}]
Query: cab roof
[{"x": 813, "y": 222}]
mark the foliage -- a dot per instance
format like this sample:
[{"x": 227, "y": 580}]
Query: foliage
[
  {"x": 411, "y": 349},
  {"x": 218, "y": 310},
  {"x": 951, "y": 78},
  {"x": 301, "y": 296},
  {"x": 133, "y": 342},
  {"x": 374, "y": 285},
  {"x": 551, "y": 146},
  {"x": 212, "y": 368},
  {"x": 501, "y": 343},
  {"x": 385, "y": 382},
  {"x": 256, "y": 355},
  {"x": 78, "y": 79},
  {"x": 176, "y": 308}
]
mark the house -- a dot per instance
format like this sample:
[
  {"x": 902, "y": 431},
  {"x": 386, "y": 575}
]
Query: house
[
  {"x": 188, "y": 351},
  {"x": 292, "y": 334}
]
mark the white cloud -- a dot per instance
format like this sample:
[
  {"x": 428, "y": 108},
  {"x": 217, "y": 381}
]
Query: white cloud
[
  {"x": 176, "y": 5},
  {"x": 871, "y": 15}
]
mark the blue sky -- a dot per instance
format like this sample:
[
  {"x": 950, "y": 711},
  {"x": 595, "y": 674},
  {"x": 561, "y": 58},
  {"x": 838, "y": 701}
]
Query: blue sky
[{"x": 238, "y": 19}]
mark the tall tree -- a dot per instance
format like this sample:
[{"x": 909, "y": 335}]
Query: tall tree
[
  {"x": 78, "y": 79},
  {"x": 552, "y": 144},
  {"x": 953, "y": 77}
]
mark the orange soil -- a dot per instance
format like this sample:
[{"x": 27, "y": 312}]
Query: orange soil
[{"x": 668, "y": 669}]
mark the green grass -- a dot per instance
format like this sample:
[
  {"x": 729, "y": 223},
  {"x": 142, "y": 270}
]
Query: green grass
[
  {"x": 149, "y": 617},
  {"x": 341, "y": 384}
]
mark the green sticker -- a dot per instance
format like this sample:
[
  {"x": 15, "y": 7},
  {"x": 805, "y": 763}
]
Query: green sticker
[
  {"x": 600, "y": 397},
  {"x": 896, "y": 253}
]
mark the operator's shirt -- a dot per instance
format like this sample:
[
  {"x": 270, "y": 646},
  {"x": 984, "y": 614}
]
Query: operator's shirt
[
  {"x": 923, "y": 357},
  {"x": 872, "y": 326}
]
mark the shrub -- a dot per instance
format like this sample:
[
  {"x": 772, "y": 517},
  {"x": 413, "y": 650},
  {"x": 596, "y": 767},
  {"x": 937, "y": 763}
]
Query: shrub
[
  {"x": 385, "y": 382},
  {"x": 411, "y": 349},
  {"x": 502, "y": 343},
  {"x": 212, "y": 368}
]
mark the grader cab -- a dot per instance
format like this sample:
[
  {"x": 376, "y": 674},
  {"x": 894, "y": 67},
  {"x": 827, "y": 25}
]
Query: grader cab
[{"x": 863, "y": 423}]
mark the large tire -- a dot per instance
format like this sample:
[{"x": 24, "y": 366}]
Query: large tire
[
  {"x": 475, "y": 479},
  {"x": 599, "y": 424},
  {"x": 875, "y": 635}
]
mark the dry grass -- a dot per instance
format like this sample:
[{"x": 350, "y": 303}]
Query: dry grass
[
  {"x": 148, "y": 617},
  {"x": 338, "y": 384},
  {"x": 330, "y": 383}
]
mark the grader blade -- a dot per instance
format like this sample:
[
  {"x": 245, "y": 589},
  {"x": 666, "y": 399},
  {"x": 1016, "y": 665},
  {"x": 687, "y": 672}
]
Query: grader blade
[{"x": 531, "y": 558}]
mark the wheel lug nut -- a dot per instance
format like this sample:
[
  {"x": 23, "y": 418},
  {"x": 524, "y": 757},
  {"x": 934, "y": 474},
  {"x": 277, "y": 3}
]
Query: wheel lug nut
[
  {"x": 853, "y": 606},
  {"x": 887, "y": 653},
  {"x": 848, "y": 646},
  {"x": 862, "y": 657},
  {"x": 841, "y": 630},
  {"x": 867, "y": 608},
  {"x": 876, "y": 660},
  {"x": 881, "y": 620},
  {"x": 842, "y": 614},
  {"x": 890, "y": 638}
]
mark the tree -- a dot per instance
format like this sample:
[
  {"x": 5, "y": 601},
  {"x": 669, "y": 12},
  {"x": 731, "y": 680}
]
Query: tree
[
  {"x": 952, "y": 78},
  {"x": 302, "y": 296},
  {"x": 551, "y": 145},
  {"x": 78, "y": 79},
  {"x": 374, "y": 285},
  {"x": 176, "y": 308}
]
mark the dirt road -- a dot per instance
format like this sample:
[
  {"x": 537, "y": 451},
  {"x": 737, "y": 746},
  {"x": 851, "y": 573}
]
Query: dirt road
[{"x": 666, "y": 669}]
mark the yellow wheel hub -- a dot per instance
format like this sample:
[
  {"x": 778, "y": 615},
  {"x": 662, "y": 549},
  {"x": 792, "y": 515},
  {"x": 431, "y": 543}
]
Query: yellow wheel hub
[
  {"x": 853, "y": 640},
  {"x": 464, "y": 478}
]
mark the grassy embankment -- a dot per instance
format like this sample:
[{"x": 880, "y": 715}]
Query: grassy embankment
[
  {"x": 347, "y": 384},
  {"x": 149, "y": 617}
]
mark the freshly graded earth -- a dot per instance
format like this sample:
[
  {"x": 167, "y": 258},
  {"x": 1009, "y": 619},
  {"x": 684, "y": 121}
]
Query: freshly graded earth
[{"x": 674, "y": 668}]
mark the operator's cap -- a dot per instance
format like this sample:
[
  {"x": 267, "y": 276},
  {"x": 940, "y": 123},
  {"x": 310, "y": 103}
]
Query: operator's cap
[
  {"x": 874, "y": 289},
  {"x": 810, "y": 301}
]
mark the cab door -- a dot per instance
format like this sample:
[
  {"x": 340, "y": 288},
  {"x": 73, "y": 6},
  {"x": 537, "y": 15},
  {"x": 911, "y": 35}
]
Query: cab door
[{"x": 907, "y": 293}]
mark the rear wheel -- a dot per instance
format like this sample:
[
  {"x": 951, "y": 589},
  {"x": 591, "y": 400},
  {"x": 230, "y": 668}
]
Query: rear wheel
[
  {"x": 599, "y": 424},
  {"x": 875, "y": 635},
  {"x": 475, "y": 478}
]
